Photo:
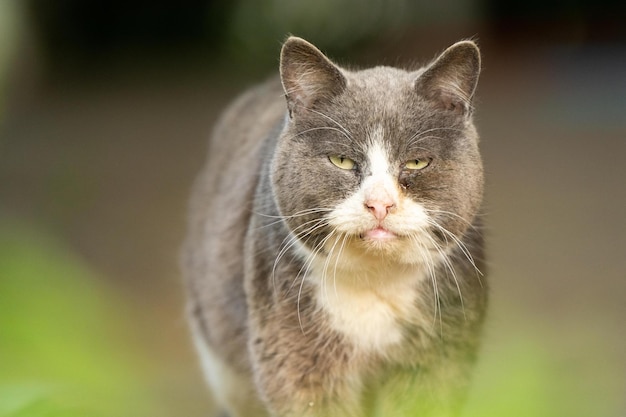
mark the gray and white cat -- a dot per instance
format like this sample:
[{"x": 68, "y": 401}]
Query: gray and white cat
[{"x": 334, "y": 253}]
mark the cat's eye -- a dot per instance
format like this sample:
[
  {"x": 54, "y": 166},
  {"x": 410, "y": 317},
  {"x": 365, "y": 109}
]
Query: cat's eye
[
  {"x": 417, "y": 164},
  {"x": 342, "y": 162}
]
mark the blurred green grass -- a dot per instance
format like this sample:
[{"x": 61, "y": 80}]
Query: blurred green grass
[{"x": 66, "y": 345}]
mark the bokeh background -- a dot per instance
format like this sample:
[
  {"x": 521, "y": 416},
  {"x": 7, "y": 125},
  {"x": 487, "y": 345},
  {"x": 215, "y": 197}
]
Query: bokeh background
[{"x": 105, "y": 109}]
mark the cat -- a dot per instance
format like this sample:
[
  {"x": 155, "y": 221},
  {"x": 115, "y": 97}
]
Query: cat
[{"x": 334, "y": 258}]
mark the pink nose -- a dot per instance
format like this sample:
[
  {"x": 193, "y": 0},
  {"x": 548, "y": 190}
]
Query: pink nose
[{"x": 378, "y": 208}]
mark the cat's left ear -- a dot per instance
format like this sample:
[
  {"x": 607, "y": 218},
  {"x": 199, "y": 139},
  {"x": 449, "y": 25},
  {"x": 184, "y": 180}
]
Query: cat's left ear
[
  {"x": 308, "y": 77},
  {"x": 450, "y": 81}
]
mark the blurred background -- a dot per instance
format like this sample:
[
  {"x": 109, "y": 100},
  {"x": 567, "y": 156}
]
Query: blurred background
[{"x": 105, "y": 109}]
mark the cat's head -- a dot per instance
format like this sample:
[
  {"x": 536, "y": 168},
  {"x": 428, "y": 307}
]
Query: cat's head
[{"x": 381, "y": 163}]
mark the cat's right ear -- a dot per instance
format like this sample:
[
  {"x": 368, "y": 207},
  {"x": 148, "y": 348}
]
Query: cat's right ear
[{"x": 307, "y": 75}]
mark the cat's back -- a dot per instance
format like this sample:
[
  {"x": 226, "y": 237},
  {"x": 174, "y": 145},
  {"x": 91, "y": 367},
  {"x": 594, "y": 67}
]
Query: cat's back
[
  {"x": 220, "y": 208},
  {"x": 228, "y": 178},
  {"x": 239, "y": 133}
]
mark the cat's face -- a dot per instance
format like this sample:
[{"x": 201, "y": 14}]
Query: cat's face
[{"x": 379, "y": 164}]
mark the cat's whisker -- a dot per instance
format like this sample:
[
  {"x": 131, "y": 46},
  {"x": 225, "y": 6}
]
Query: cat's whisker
[
  {"x": 298, "y": 213},
  {"x": 293, "y": 239},
  {"x": 270, "y": 224},
  {"x": 326, "y": 266},
  {"x": 296, "y": 234},
  {"x": 303, "y": 231},
  {"x": 307, "y": 266},
  {"x": 462, "y": 247},
  {"x": 341, "y": 248},
  {"x": 426, "y": 257},
  {"x": 348, "y": 146},
  {"x": 433, "y": 276},
  {"x": 343, "y": 129},
  {"x": 313, "y": 129},
  {"x": 449, "y": 267},
  {"x": 451, "y": 214},
  {"x": 299, "y": 237},
  {"x": 337, "y": 256},
  {"x": 418, "y": 136},
  {"x": 301, "y": 213},
  {"x": 412, "y": 147}
]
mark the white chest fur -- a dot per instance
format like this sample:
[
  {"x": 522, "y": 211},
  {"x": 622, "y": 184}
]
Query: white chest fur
[{"x": 368, "y": 307}]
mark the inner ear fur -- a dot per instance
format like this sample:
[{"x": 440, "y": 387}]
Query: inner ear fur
[
  {"x": 450, "y": 81},
  {"x": 307, "y": 75}
]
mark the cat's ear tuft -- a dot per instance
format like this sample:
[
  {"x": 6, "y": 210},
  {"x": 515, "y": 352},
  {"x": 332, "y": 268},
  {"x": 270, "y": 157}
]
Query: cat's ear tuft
[
  {"x": 307, "y": 75},
  {"x": 450, "y": 81}
]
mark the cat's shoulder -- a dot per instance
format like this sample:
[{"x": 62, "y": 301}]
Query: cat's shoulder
[
  {"x": 251, "y": 116},
  {"x": 257, "y": 97}
]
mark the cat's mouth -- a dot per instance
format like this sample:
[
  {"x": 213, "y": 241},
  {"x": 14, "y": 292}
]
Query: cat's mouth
[{"x": 378, "y": 234}]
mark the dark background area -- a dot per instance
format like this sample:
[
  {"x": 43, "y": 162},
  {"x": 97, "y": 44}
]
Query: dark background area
[{"x": 105, "y": 109}]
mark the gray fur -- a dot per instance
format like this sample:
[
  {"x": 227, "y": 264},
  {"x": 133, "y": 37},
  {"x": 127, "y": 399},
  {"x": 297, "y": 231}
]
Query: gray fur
[{"x": 249, "y": 301}]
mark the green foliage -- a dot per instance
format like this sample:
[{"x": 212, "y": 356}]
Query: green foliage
[
  {"x": 63, "y": 345},
  {"x": 535, "y": 369}
]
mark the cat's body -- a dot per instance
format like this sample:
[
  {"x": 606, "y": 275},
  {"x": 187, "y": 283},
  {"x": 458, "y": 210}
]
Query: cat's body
[{"x": 334, "y": 251}]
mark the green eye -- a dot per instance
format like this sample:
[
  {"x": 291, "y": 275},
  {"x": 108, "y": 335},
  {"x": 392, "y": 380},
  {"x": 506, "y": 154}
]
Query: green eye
[
  {"x": 342, "y": 162},
  {"x": 417, "y": 164}
]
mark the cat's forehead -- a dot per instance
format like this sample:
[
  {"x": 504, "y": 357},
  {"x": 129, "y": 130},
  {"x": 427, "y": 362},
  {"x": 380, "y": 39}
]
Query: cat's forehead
[
  {"x": 379, "y": 93},
  {"x": 381, "y": 80}
]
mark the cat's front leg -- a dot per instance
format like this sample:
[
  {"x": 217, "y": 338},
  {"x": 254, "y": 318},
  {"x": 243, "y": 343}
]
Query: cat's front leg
[
  {"x": 415, "y": 392},
  {"x": 301, "y": 374}
]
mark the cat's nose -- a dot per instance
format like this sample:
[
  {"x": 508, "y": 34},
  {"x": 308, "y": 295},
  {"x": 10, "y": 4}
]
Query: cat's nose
[{"x": 379, "y": 208}]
